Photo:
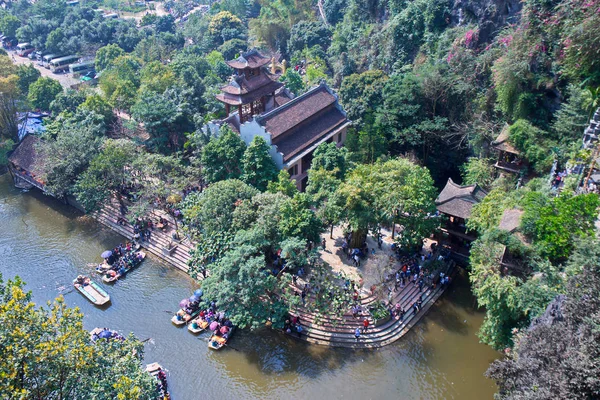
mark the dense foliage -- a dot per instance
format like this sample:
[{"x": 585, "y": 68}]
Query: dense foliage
[
  {"x": 47, "y": 354},
  {"x": 557, "y": 356}
]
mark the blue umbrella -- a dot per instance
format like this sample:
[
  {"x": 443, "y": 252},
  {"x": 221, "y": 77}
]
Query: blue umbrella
[
  {"x": 106, "y": 254},
  {"x": 105, "y": 334},
  {"x": 198, "y": 292},
  {"x": 194, "y": 299}
]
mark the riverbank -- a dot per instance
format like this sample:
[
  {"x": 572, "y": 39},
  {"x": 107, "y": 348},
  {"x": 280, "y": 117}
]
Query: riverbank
[{"x": 47, "y": 244}]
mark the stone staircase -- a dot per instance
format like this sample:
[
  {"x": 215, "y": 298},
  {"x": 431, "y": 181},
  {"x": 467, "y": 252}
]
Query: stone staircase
[
  {"x": 159, "y": 240},
  {"x": 339, "y": 331}
]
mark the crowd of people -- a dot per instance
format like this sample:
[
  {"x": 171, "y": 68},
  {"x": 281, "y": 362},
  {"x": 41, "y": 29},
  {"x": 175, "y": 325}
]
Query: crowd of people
[{"x": 123, "y": 258}]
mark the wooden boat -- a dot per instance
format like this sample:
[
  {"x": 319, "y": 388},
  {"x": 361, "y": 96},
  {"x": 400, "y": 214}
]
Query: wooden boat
[
  {"x": 112, "y": 276},
  {"x": 91, "y": 290},
  {"x": 105, "y": 267},
  {"x": 97, "y": 333},
  {"x": 201, "y": 325},
  {"x": 217, "y": 342},
  {"x": 155, "y": 370},
  {"x": 186, "y": 317}
]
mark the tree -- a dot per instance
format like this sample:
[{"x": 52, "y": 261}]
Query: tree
[
  {"x": 232, "y": 47},
  {"x": 362, "y": 94},
  {"x": 385, "y": 193},
  {"x": 10, "y": 102},
  {"x": 108, "y": 171},
  {"x": 95, "y": 103},
  {"x": 161, "y": 115},
  {"x": 27, "y": 75},
  {"x": 322, "y": 187},
  {"x": 293, "y": 82},
  {"x": 9, "y": 24},
  {"x": 46, "y": 353},
  {"x": 556, "y": 356},
  {"x": 283, "y": 184},
  {"x": 241, "y": 284},
  {"x": 478, "y": 171},
  {"x": 162, "y": 180},
  {"x": 225, "y": 26},
  {"x": 511, "y": 298},
  {"x": 69, "y": 153},
  {"x": 556, "y": 222},
  {"x": 42, "y": 92},
  {"x": 67, "y": 101},
  {"x": 106, "y": 55},
  {"x": 257, "y": 165},
  {"x": 331, "y": 158},
  {"x": 533, "y": 143},
  {"x": 307, "y": 34},
  {"x": 298, "y": 220},
  {"x": 221, "y": 157},
  {"x": 211, "y": 212}
]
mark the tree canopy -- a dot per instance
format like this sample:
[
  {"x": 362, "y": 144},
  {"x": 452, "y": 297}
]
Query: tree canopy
[{"x": 46, "y": 353}]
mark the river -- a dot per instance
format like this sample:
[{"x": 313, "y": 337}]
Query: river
[{"x": 47, "y": 244}]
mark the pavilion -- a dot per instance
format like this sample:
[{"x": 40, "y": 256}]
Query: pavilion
[{"x": 257, "y": 104}]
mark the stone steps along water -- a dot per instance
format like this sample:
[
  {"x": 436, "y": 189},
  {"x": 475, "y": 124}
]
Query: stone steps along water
[
  {"x": 373, "y": 332},
  {"x": 376, "y": 336},
  {"x": 179, "y": 257},
  {"x": 394, "y": 331},
  {"x": 405, "y": 296}
]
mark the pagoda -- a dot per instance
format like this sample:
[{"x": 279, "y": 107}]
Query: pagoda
[{"x": 252, "y": 87}]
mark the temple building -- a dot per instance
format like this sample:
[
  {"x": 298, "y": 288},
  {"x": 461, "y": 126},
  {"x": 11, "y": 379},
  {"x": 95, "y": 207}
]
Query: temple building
[
  {"x": 257, "y": 104},
  {"x": 456, "y": 202},
  {"x": 509, "y": 158}
]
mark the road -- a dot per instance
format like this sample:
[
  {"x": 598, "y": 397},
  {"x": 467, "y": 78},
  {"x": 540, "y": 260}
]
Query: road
[{"x": 65, "y": 79}]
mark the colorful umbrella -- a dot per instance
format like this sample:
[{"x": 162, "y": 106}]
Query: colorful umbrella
[
  {"x": 194, "y": 299},
  {"x": 213, "y": 326},
  {"x": 106, "y": 254},
  {"x": 183, "y": 303},
  {"x": 198, "y": 292},
  {"x": 224, "y": 330},
  {"x": 105, "y": 334}
]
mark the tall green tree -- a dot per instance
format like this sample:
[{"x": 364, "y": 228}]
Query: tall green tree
[
  {"x": 257, "y": 165},
  {"x": 42, "y": 92},
  {"x": 27, "y": 75},
  {"x": 108, "y": 171},
  {"x": 220, "y": 158}
]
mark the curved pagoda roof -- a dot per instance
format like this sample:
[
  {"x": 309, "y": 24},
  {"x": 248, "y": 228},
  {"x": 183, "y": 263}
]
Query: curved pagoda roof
[{"x": 249, "y": 59}]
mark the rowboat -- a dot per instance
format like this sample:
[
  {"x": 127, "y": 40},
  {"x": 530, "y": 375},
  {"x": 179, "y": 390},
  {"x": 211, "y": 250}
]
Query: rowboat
[
  {"x": 91, "y": 290},
  {"x": 104, "y": 333},
  {"x": 112, "y": 276},
  {"x": 185, "y": 317},
  {"x": 217, "y": 342},
  {"x": 158, "y": 372},
  {"x": 105, "y": 267},
  {"x": 198, "y": 325}
]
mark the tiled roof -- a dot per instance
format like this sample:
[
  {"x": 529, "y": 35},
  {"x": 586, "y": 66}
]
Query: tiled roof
[
  {"x": 249, "y": 97},
  {"x": 26, "y": 157},
  {"x": 250, "y": 59},
  {"x": 501, "y": 143},
  {"x": 458, "y": 200},
  {"x": 306, "y": 134},
  {"x": 241, "y": 85},
  {"x": 302, "y": 108}
]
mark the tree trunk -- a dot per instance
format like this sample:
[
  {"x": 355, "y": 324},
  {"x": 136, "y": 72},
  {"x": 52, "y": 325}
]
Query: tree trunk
[
  {"x": 358, "y": 238},
  {"x": 393, "y": 230},
  {"x": 331, "y": 232}
]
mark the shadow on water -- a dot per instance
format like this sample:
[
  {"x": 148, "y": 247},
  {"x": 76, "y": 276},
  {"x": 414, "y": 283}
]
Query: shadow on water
[{"x": 273, "y": 353}]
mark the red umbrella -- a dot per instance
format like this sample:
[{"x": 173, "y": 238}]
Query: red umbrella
[
  {"x": 213, "y": 326},
  {"x": 224, "y": 330}
]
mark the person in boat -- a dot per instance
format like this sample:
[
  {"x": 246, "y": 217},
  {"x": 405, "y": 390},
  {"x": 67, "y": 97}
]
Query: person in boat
[{"x": 80, "y": 279}]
